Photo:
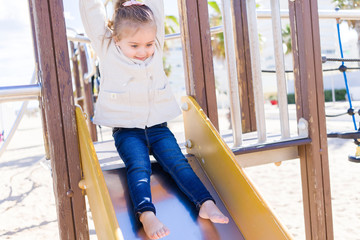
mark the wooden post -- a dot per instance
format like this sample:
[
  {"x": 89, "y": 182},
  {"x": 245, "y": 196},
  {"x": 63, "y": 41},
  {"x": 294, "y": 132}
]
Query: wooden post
[
  {"x": 58, "y": 102},
  {"x": 41, "y": 107},
  {"x": 88, "y": 95},
  {"x": 198, "y": 58},
  {"x": 243, "y": 62},
  {"x": 310, "y": 105}
]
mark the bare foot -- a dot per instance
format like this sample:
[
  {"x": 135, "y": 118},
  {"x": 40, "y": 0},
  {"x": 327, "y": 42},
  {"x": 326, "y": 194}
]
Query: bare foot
[
  {"x": 153, "y": 228},
  {"x": 209, "y": 210}
]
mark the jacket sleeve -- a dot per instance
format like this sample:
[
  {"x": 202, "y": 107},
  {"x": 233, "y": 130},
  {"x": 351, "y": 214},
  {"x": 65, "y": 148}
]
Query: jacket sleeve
[
  {"x": 157, "y": 6},
  {"x": 93, "y": 16}
]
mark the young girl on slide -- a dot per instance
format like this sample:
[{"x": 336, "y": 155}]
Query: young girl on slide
[{"x": 136, "y": 101}]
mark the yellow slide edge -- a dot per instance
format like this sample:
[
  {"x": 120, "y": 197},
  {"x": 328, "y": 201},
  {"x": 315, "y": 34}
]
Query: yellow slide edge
[
  {"x": 249, "y": 210},
  {"x": 105, "y": 221}
]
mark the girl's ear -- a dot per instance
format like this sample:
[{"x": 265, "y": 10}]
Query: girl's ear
[{"x": 115, "y": 39}]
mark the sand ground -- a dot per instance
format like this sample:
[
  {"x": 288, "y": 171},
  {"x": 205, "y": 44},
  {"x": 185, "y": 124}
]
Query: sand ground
[{"x": 27, "y": 208}]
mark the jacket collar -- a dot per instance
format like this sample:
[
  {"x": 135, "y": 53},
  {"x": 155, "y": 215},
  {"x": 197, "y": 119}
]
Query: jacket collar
[{"x": 135, "y": 62}]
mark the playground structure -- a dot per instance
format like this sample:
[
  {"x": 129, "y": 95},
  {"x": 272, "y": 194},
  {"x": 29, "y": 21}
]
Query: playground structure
[{"x": 310, "y": 145}]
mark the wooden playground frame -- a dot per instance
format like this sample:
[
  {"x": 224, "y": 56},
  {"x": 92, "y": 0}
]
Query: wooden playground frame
[{"x": 57, "y": 102}]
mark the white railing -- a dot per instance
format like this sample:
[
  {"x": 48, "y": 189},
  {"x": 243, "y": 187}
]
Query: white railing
[
  {"x": 235, "y": 107},
  {"x": 280, "y": 69},
  {"x": 323, "y": 14},
  {"x": 20, "y": 93},
  {"x": 256, "y": 70},
  {"x": 275, "y": 14}
]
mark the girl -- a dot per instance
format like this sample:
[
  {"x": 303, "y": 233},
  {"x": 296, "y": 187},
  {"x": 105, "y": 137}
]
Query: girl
[{"x": 136, "y": 101}]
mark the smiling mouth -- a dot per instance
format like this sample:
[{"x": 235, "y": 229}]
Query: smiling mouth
[{"x": 140, "y": 58}]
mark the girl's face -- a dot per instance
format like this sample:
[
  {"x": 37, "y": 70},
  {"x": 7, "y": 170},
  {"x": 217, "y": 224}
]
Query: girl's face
[{"x": 139, "y": 45}]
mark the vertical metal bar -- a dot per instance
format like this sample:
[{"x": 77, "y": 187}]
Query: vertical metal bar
[
  {"x": 333, "y": 89},
  {"x": 235, "y": 109},
  {"x": 256, "y": 71},
  {"x": 280, "y": 69}
]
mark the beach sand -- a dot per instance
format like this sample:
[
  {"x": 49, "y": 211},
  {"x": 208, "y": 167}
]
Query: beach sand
[{"x": 27, "y": 208}]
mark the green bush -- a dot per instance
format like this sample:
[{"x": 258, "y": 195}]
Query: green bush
[
  {"x": 291, "y": 98},
  {"x": 339, "y": 96}
]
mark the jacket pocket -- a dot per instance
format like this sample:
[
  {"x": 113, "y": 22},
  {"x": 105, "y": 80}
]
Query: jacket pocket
[
  {"x": 163, "y": 94},
  {"x": 162, "y": 87},
  {"x": 115, "y": 101}
]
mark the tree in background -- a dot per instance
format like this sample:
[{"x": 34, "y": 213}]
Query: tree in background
[
  {"x": 171, "y": 26},
  {"x": 217, "y": 40},
  {"x": 286, "y": 36}
]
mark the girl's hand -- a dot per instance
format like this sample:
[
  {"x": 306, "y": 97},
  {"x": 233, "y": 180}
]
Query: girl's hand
[{"x": 132, "y": 2}]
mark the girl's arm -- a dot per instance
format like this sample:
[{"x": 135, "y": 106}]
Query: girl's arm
[
  {"x": 93, "y": 16},
  {"x": 157, "y": 6}
]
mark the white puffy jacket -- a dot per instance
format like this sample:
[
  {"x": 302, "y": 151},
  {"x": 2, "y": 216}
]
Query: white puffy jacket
[{"x": 131, "y": 95}]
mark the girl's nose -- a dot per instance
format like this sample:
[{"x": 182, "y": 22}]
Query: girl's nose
[{"x": 142, "y": 52}]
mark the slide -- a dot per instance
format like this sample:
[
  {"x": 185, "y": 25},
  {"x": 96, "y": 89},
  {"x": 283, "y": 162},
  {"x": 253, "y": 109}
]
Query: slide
[{"x": 215, "y": 164}]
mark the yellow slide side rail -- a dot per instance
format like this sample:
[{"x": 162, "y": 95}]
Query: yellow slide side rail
[
  {"x": 106, "y": 224},
  {"x": 248, "y": 209}
]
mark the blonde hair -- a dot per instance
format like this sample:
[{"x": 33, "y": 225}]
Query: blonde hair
[{"x": 129, "y": 17}]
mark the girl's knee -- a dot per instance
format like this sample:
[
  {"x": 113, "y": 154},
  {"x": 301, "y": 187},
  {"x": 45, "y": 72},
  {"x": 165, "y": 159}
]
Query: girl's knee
[
  {"x": 181, "y": 166},
  {"x": 141, "y": 170}
]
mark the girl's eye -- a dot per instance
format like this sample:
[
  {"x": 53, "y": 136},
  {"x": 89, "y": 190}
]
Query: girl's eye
[
  {"x": 149, "y": 45},
  {"x": 134, "y": 46}
]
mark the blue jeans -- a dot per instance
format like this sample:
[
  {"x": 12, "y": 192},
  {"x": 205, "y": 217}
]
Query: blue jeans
[{"x": 134, "y": 146}]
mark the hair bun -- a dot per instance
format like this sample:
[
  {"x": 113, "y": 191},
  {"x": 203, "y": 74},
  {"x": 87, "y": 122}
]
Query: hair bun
[
  {"x": 119, "y": 3},
  {"x": 110, "y": 24}
]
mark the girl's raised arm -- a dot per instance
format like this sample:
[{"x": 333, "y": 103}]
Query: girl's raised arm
[
  {"x": 93, "y": 17},
  {"x": 157, "y": 6}
]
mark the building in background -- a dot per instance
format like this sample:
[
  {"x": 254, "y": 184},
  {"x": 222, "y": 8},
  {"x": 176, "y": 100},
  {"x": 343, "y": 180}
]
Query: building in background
[{"x": 329, "y": 48}]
